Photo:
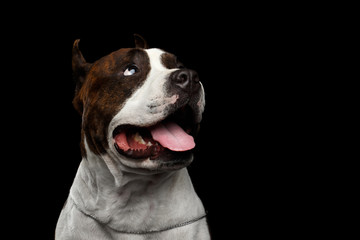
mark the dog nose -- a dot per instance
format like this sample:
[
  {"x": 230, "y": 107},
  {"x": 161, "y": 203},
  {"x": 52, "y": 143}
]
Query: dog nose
[{"x": 186, "y": 79}]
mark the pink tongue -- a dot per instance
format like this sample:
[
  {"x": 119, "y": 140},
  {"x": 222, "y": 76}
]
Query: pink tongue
[{"x": 172, "y": 136}]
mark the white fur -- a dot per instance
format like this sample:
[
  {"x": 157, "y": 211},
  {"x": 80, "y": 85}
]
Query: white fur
[{"x": 101, "y": 205}]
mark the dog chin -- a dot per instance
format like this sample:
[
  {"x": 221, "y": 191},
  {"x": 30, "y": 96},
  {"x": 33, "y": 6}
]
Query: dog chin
[{"x": 166, "y": 161}]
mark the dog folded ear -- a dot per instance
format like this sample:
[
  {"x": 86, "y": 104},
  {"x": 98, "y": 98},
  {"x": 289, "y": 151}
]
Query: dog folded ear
[
  {"x": 80, "y": 69},
  {"x": 140, "y": 42},
  {"x": 79, "y": 65}
]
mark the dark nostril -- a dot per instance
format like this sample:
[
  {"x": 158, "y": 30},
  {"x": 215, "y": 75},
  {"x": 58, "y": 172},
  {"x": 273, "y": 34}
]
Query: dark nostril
[{"x": 183, "y": 77}]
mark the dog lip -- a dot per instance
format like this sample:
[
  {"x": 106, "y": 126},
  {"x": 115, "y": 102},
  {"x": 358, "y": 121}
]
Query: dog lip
[{"x": 151, "y": 152}]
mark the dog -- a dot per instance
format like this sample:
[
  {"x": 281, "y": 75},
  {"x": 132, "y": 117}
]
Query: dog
[{"x": 141, "y": 109}]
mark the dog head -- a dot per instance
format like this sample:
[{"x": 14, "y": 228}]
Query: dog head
[{"x": 140, "y": 107}]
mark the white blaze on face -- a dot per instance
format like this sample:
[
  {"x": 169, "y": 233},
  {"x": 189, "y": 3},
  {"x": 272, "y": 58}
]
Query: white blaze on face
[{"x": 147, "y": 104}]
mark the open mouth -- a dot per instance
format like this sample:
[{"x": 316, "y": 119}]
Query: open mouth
[{"x": 175, "y": 134}]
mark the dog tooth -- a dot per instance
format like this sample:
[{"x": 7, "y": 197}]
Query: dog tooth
[{"x": 139, "y": 138}]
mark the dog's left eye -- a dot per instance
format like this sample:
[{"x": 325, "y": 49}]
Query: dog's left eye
[{"x": 131, "y": 70}]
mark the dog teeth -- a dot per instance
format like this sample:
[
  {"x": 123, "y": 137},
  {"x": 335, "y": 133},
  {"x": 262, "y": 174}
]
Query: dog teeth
[{"x": 138, "y": 138}]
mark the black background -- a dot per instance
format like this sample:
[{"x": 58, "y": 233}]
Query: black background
[{"x": 242, "y": 56}]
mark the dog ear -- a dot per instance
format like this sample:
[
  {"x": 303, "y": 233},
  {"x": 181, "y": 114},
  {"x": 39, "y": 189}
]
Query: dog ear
[
  {"x": 80, "y": 69},
  {"x": 79, "y": 65},
  {"x": 140, "y": 42}
]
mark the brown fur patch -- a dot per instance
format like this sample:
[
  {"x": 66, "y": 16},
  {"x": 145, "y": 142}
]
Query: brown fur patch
[
  {"x": 170, "y": 61},
  {"x": 104, "y": 91}
]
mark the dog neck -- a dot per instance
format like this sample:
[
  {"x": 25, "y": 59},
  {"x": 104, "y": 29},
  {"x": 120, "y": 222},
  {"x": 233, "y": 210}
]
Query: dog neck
[{"x": 126, "y": 201}]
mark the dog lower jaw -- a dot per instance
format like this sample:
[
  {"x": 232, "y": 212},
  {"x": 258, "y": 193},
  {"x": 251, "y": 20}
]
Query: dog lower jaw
[
  {"x": 152, "y": 152},
  {"x": 166, "y": 161}
]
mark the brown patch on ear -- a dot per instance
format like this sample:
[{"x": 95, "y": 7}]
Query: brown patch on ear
[
  {"x": 140, "y": 42},
  {"x": 80, "y": 69}
]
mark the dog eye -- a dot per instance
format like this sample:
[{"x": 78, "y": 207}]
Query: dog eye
[{"x": 131, "y": 70}]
